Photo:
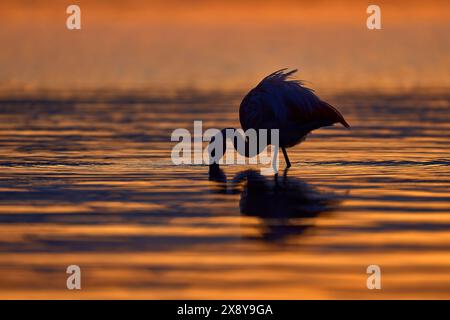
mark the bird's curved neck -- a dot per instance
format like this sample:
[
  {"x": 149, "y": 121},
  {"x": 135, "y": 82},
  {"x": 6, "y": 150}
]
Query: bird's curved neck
[{"x": 246, "y": 145}]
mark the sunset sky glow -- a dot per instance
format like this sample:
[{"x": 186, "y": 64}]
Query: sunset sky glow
[{"x": 223, "y": 44}]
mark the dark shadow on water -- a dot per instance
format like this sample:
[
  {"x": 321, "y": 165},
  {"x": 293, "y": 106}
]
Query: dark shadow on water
[{"x": 282, "y": 203}]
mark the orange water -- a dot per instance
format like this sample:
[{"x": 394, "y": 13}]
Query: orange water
[{"x": 88, "y": 180}]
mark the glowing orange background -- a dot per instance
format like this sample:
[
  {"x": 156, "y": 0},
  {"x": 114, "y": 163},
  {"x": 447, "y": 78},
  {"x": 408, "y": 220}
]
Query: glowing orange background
[{"x": 223, "y": 44}]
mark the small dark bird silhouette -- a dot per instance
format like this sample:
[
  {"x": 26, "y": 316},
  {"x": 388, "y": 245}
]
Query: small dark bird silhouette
[{"x": 278, "y": 102}]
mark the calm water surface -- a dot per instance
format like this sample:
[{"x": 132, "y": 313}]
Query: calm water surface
[{"x": 87, "y": 179}]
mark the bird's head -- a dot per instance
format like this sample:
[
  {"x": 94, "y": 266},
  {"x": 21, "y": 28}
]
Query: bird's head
[
  {"x": 246, "y": 145},
  {"x": 217, "y": 147}
]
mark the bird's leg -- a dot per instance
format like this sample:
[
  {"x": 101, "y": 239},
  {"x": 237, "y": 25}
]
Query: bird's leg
[
  {"x": 275, "y": 179},
  {"x": 285, "y": 174},
  {"x": 286, "y": 158}
]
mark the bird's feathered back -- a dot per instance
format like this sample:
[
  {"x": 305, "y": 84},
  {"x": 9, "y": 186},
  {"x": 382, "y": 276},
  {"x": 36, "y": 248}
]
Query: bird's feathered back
[{"x": 287, "y": 100}]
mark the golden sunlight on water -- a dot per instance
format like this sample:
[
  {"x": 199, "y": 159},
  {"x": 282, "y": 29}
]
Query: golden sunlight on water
[{"x": 88, "y": 180}]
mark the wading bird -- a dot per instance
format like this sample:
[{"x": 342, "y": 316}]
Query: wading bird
[{"x": 279, "y": 102}]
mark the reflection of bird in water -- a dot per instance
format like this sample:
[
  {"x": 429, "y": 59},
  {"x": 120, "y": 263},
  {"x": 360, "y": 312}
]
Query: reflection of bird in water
[
  {"x": 282, "y": 203},
  {"x": 280, "y": 103}
]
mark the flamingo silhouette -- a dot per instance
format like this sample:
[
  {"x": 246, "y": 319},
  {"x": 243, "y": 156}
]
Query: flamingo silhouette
[{"x": 279, "y": 102}]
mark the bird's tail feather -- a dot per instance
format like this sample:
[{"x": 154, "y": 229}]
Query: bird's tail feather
[{"x": 335, "y": 114}]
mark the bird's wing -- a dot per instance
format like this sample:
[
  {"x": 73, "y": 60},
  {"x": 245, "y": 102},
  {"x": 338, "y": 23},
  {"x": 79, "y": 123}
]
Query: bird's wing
[{"x": 287, "y": 100}]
